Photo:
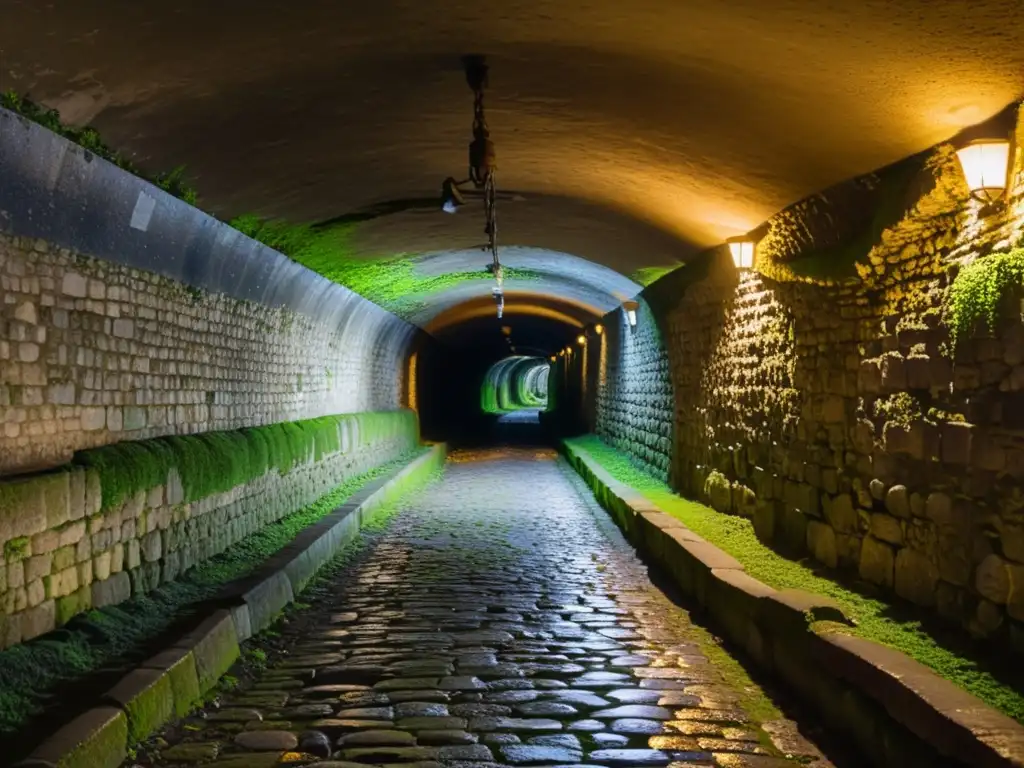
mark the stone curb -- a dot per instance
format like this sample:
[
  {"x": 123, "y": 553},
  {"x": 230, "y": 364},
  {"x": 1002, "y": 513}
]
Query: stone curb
[
  {"x": 168, "y": 685},
  {"x": 890, "y": 705}
]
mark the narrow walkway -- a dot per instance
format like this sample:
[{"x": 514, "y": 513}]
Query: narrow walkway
[{"x": 500, "y": 618}]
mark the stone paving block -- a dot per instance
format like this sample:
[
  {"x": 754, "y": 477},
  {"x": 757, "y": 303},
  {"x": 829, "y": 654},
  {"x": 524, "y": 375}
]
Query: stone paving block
[{"x": 542, "y": 642}]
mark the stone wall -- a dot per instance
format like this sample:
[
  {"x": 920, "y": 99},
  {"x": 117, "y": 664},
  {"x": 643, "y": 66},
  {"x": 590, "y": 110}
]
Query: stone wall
[
  {"x": 93, "y": 353},
  {"x": 836, "y": 413},
  {"x": 62, "y": 553},
  {"x": 633, "y": 391}
]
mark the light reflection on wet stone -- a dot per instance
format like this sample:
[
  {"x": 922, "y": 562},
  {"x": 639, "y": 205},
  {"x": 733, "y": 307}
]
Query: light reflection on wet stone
[{"x": 500, "y": 617}]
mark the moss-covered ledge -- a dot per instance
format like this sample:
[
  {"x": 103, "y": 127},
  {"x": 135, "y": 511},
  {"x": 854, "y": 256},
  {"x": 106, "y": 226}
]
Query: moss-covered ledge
[
  {"x": 172, "y": 682},
  {"x": 893, "y": 707}
]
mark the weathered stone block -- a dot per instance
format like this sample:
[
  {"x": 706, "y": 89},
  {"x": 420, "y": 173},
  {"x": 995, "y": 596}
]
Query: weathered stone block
[
  {"x": 886, "y": 528},
  {"x": 111, "y": 591},
  {"x": 897, "y": 501},
  {"x": 97, "y": 739},
  {"x": 916, "y": 577},
  {"x": 877, "y": 562},
  {"x": 821, "y": 541},
  {"x": 956, "y": 442},
  {"x": 841, "y": 515},
  {"x": 992, "y": 579}
]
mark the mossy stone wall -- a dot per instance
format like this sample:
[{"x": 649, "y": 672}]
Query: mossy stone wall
[
  {"x": 633, "y": 391},
  {"x": 94, "y": 353},
  {"x": 79, "y": 546},
  {"x": 837, "y": 412}
]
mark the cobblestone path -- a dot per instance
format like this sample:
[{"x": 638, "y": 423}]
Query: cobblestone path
[{"x": 499, "y": 619}]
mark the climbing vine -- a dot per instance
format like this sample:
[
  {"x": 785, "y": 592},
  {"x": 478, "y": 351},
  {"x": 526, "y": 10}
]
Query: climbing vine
[{"x": 979, "y": 290}]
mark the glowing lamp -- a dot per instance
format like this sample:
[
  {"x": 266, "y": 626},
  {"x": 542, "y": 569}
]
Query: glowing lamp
[
  {"x": 742, "y": 249},
  {"x": 986, "y": 165},
  {"x": 581, "y": 339},
  {"x": 631, "y": 307},
  {"x": 598, "y": 329},
  {"x": 552, "y": 358}
]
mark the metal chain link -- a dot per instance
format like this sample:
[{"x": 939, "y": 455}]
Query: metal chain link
[{"x": 481, "y": 134}]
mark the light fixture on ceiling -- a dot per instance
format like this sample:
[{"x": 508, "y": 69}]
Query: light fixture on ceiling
[
  {"x": 451, "y": 197},
  {"x": 986, "y": 167},
  {"x": 630, "y": 308},
  {"x": 743, "y": 249}
]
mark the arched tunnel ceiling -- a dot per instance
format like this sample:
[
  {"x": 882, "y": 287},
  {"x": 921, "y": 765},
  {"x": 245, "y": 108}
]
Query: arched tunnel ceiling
[{"x": 630, "y": 133}]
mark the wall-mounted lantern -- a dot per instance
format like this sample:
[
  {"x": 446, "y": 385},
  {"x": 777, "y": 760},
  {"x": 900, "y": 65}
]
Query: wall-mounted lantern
[
  {"x": 631, "y": 307},
  {"x": 986, "y": 167},
  {"x": 552, "y": 358},
  {"x": 598, "y": 329},
  {"x": 581, "y": 340},
  {"x": 742, "y": 249}
]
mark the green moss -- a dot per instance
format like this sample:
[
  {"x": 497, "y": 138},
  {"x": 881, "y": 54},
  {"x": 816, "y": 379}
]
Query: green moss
[
  {"x": 16, "y": 549},
  {"x": 105, "y": 748},
  {"x": 172, "y": 182},
  {"x": 394, "y": 283},
  {"x": 184, "y": 685},
  {"x": 31, "y": 672},
  {"x": 960, "y": 662},
  {"x": 901, "y": 408},
  {"x": 153, "y": 707},
  {"x": 69, "y": 606},
  {"x": 214, "y": 462},
  {"x": 979, "y": 291},
  {"x": 647, "y": 275}
]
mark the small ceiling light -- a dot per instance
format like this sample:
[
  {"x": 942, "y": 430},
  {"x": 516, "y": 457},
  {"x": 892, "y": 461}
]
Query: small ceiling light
[
  {"x": 581, "y": 339},
  {"x": 986, "y": 166},
  {"x": 631, "y": 307},
  {"x": 742, "y": 249},
  {"x": 598, "y": 329},
  {"x": 451, "y": 198}
]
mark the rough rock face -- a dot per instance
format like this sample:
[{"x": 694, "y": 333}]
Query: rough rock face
[{"x": 838, "y": 416}]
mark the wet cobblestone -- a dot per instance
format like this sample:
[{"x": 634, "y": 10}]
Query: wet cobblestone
[{"x": 500, "y": 619}]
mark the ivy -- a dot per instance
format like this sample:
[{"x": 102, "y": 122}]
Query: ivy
[
  {"x": 173, "y": 182},
  {"x": 979, "y": 290}
]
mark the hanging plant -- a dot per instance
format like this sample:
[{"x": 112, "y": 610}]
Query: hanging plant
[{"x": 979, "y": 290}]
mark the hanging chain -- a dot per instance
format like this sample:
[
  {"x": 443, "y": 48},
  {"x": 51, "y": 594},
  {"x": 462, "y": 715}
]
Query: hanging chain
[{"x": 482, "y": 166}]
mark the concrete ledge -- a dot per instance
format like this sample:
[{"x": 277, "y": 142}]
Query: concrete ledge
[
  {"x": 896, "y": 709},
  {"x": 95, "y": 739},
  {"x": 169, "y": 684}
]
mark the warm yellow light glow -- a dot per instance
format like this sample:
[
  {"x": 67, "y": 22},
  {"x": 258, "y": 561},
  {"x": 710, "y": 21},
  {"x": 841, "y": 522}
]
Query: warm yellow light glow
[
  {"x": 552, "y": 358},
  {"x": 411, "y": 383},
  {"x": 581, "y": 339},
  {"x": 598, "y": 329},
  {"x": 742, "y": 252},
  {"x": 986, "y": 164},
  {"x": 631, "y": 307}
]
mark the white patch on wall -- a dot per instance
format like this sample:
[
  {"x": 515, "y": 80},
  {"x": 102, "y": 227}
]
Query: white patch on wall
[{"x": 143, "y": 212}]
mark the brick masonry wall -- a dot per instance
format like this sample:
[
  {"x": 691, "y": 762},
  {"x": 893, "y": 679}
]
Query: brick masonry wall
[
  {"x": 72, "y": 556},
  {"x": 93, "y": 352},
  {"x": 633, "y": 392}
]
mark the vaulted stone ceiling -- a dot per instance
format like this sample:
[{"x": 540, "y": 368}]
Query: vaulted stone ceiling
[{"x": 631, "y": 132}]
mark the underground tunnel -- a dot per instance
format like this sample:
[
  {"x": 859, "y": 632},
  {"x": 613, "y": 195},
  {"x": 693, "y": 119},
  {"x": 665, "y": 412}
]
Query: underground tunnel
[{"x": 576, "y": 384}]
